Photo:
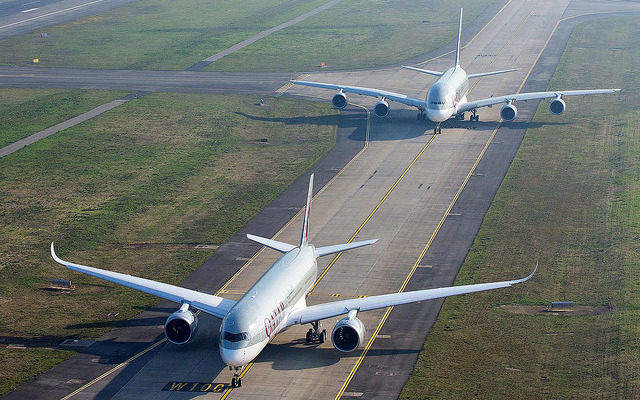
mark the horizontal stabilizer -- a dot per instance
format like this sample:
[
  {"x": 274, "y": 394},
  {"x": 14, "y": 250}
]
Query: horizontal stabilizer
[
  {"x": 323, "y": 251},
  {"x": 471, "y": 76},
  {"x": 424, "y": 71},
  {"x": 272, "y": 244}
]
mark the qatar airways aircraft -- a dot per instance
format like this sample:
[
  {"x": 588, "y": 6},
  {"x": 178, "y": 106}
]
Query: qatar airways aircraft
[
  {"x": 448, "y": 95},
  {"x": 276, "y": 301}
]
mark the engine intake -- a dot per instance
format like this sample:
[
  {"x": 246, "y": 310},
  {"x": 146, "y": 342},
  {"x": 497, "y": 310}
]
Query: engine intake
[
  {"x": 339, "y": 100},
  {"x": 508, "y": 112},
  {"x": 381, "y": 109},
  {"x": 181, "y": 326},
  {"x": 557, "y": 106},
  {"x": 348, "y": 334}
]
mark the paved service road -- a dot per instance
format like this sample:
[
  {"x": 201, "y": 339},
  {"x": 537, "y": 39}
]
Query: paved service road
[{"x": 424, "y": 196}]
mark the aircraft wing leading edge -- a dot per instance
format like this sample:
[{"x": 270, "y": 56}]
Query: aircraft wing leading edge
[
  {"x": 400, "y": 98},
  {"x": 528, "y": 96},
  {"x": 332, "y": 309},
  {"x": 214, "y": 305}
]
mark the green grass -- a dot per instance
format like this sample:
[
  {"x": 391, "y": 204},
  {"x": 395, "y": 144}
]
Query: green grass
[
  {"x": 151, "y": 34},
  {"x": 571, "y": 201},
  {"x": 28, "y": 111},
  {"x": 173, "y": 170},
  {"x": 356, "y": 34},
  {"x": 173, "y": 35}
]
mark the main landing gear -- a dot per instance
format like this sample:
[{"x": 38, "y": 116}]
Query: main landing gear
[
  {"x": 474, "y": 117},
  {"x": 422, "y": 116},
  {"x": 315, "y": 334},
  {"x": 236, "y": 381}
]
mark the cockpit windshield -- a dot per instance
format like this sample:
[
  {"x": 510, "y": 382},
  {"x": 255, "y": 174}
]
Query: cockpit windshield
[
  {"x": 436, "y": 96},
  {"x": 235, "y": 337}
]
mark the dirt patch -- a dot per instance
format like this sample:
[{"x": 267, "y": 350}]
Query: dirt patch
[{"x": 547, "y": 310}]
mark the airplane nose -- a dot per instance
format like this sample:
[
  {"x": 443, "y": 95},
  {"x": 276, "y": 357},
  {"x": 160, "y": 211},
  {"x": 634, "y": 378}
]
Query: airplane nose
[
  {"x": 233, "y": 357},
  {"x": 439, "y": 115}
]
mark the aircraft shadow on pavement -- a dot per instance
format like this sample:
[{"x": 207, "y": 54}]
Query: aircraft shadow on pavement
[{"x": 296, "y": 355}]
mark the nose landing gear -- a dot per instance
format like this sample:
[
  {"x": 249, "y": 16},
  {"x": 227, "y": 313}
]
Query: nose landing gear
[
  {"x": 315, "y": 334},
  {"x": 437, "y": 129},
  {"x": 236, "y": 381}
]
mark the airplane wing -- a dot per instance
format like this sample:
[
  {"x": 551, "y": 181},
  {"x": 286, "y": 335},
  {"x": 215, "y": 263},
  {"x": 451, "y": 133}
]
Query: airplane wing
[
  {"x": 214, "y": 305},
  {"x": 332, "y": 309},
  {"x": 400, "y": 98},
  {"x": 528, "y": 96}
]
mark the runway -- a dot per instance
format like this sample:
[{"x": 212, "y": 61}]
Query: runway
[
  {"x": 18, "y": 17},
  {"x": 424, "y": 196}
]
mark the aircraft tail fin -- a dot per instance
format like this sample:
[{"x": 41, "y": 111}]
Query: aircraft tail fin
[
  {"x": 320, "y": 251},
  {"x": 307, "y": 210},
  {"x": 459, "y": 35}
]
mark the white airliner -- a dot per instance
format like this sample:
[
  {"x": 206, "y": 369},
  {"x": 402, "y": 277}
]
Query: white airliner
[
  {"x": 448, "y": 95},
  {"x": 276, "y": 301}
]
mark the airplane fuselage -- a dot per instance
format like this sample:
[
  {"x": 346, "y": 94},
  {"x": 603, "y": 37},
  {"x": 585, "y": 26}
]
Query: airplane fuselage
[
  {"x": 446, "y": 93},
  {"x": 262, "y": 311}
]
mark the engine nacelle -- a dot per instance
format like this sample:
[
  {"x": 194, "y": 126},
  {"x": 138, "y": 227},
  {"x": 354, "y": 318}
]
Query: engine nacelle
[
  {"x": 348, "y": 334},
  {"x": 181, "y": 326},
  {"x": 557, "y": 106},
  {"x": 339, "y": 100},
  {"x": 381, "y": 109},
  {"x": 508, "y": 112}
]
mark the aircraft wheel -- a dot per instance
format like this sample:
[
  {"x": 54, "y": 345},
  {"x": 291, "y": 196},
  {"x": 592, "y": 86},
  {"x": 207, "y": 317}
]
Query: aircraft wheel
[
  {"x": 234, "y": 382},
  {"x": 309, "y": 335},
  {"x": 239, "y": 382},
  {"x": 323, "y": 336}
]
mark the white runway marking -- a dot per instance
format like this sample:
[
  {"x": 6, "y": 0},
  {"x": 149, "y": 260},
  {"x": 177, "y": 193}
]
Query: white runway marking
[{"x": 51, "y": 13}]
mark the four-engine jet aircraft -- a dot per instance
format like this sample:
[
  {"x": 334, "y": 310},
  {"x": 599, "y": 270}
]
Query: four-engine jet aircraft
[
  {"x": 276, "y": 301},
  {"x": 448, "y": 95}
]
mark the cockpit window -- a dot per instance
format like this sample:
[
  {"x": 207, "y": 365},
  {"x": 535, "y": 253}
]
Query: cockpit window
[{"x": 235, "y": 337}]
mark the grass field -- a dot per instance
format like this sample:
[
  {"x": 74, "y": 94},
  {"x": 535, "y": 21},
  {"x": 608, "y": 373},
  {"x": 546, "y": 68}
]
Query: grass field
[
  {"x": 571, "y": 201},
  {"x": 356, "y": 34},
  {"x": 173, "y": 35},
  {"x": 172, "y": 170},
  {"x": 27, "y": 111}
]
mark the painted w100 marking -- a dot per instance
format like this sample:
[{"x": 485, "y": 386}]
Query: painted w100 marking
[
  {"x": 195, "y": 387},
  {"x": 271, "y": 323}
]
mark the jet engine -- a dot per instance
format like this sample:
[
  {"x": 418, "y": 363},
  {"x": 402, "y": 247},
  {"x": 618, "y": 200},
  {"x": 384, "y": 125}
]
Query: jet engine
[
  {"x": 508, "y": 112},
  {"x": 557, "y": 106},
  {"x": 381, "y": 108},
  {"x": 339, "y": 100},
  {"x": 348, "y": 334},
  {"x": 181, "y": 326}
]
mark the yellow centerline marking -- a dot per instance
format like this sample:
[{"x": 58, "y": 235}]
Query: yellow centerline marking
[
  {"x": 80, "y": 389},
  {"x": 224, "y": 287},
  {"x": 472, "y": 39},
  {"x": 337, "y": 256},
  {"x": 366, "y": 145},
  {"x": 446, "y": 213},
  {"x": 507, "y": 42},
  {"x": 388, "y": 310},
  {"x": 288, "y": 85}
]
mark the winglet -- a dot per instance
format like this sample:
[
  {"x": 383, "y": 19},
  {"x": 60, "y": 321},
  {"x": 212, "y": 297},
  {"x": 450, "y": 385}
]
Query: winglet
[
  {"x": 307, "y": 210},
  {"x": 55, "y": 257},
  {"x": 528, "y": 277},
  {"x": 459, "y": 35}
]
